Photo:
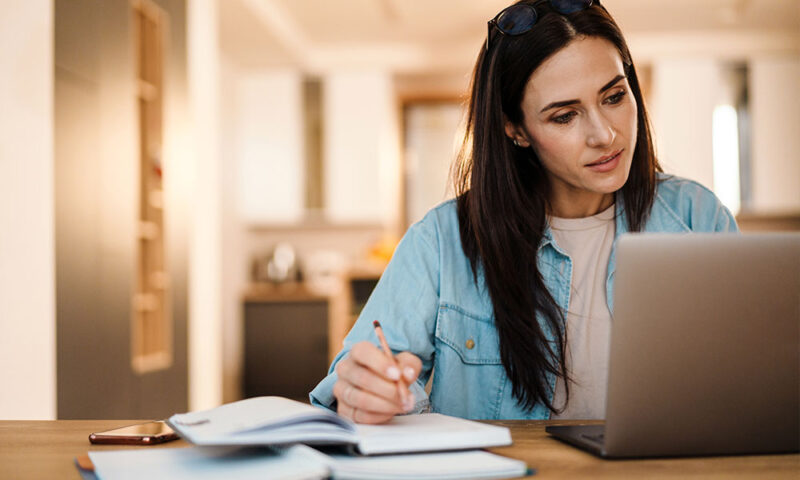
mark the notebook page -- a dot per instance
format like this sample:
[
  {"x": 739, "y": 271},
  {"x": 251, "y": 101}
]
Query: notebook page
[
  {"x": 429, "y": 432},
  {"x": 313, "y": 433},
  {"x": 214, "y": 425}
]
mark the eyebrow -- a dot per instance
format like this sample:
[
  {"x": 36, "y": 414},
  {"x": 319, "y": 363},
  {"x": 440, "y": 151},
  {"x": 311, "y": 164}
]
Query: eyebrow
[{"x": 565, "y": 103}]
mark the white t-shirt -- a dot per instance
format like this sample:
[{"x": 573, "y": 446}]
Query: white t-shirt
[{"x": 588, "y": 243}]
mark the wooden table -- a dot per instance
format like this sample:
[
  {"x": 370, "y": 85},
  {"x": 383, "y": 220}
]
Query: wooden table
[{"x": 46, "y": 450}]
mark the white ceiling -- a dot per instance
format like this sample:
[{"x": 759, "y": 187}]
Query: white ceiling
[{"x": 425, "y": 36}]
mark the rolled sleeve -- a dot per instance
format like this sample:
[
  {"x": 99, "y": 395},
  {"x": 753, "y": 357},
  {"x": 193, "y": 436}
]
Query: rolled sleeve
[{"x": 405, "y": 301}]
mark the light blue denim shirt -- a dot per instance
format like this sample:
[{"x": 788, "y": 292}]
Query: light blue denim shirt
[{"x": 429, "y": 304}]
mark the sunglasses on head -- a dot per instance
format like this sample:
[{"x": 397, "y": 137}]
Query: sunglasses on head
[{"x": 520, "y": 18}]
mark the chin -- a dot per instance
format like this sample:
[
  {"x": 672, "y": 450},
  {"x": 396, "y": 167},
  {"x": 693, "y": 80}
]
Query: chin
[
  {"x": 620, "y": 177},
  {"x": 613, "y": 183}
]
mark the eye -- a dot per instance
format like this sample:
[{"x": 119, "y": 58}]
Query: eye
[
  {"x": 616, "y": 98},
  {"x": 565, "y": 118}
]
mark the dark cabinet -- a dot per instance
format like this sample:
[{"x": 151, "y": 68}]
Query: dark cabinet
[{"x": 285, "y": 342}]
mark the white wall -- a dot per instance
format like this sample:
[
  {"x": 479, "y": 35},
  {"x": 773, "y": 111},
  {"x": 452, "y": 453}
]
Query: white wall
[
  {"x": 27, "y": 218},
  {"x": 360, "y": 147},
  {"x": 235, "y": 262},
  {"x": 206, "y": 242},
  {"x": 775, "y": 107}
]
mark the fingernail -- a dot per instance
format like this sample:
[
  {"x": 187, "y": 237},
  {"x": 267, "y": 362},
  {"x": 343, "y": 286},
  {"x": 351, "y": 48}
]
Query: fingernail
[
  {"x": 393, "y": 373},
  {"x": 409, "y": 373}
]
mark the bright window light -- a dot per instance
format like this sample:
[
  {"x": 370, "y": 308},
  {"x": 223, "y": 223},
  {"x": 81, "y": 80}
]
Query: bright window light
[{"x": 726, "y": 157}]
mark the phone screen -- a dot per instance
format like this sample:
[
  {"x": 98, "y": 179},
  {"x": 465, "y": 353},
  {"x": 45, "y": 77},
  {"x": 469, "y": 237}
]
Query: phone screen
[{"x": 143, "y": 434}]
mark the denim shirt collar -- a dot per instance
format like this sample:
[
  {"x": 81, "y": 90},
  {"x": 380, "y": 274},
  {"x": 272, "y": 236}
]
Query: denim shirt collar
[{"x": 662, "y": 218}]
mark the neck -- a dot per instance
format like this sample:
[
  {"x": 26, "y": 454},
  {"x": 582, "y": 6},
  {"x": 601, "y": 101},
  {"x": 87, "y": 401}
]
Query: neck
[{"x": 581, "y": 205}]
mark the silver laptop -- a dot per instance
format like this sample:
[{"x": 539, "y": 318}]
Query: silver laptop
[{"x": 705, "y": 348}]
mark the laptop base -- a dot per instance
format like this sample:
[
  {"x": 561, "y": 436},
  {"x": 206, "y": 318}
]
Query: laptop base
[{"x": 585, "y": 437}]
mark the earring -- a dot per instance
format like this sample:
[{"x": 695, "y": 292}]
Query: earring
[{"x": 515, "y": 142}]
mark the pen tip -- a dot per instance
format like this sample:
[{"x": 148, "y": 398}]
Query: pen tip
[{"x": 376, "y": 323}]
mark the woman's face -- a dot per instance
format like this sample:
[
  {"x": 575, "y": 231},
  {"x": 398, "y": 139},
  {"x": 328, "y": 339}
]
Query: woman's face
[{"x": 579, "y": 116}]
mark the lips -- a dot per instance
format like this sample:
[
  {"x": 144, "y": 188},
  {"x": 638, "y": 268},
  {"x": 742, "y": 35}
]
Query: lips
[{"x": 605, "y": 159}]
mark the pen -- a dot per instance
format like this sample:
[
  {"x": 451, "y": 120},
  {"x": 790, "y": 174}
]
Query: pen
[{"x": 401, "y": 384}]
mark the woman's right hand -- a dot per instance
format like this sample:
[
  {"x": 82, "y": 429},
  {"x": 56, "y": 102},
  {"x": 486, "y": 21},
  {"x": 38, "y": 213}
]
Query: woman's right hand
[{"x": 367, "y": 390}]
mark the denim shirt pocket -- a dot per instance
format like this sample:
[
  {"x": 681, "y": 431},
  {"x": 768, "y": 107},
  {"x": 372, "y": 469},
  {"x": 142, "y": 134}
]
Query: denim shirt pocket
[{"x": 469, "y": 379}]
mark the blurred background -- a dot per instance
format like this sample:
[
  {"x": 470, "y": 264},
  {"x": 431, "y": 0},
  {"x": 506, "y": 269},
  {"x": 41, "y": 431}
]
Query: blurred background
[{"x": 197, "y": 196}]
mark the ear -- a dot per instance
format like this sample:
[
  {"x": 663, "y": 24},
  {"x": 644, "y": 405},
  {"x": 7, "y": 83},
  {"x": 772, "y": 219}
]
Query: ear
[{"x": 516, "y": 134}]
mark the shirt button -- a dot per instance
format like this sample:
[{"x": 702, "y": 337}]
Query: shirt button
[{"x": 470, "y": 344}]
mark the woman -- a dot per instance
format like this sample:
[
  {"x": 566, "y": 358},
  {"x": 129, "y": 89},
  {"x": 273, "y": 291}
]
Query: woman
[{"x": 504, "y": 293}]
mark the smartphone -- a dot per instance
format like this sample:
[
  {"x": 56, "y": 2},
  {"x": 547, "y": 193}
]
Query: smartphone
[{"x": 148, "y": 433}]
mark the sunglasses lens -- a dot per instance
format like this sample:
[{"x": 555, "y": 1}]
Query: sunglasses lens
[
  {"x": 516, "y": 20},
  {"x": 565, "y": 7}
]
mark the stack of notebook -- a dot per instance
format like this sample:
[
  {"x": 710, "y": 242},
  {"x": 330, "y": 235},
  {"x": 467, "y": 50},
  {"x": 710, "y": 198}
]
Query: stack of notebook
[{"x": 272, "y": 437}]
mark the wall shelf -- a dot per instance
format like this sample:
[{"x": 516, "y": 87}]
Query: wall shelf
[{"x": 151, "y": 330}]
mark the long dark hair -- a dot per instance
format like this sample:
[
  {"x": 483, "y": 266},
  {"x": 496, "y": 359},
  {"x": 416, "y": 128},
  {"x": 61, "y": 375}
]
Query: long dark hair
[{"x": 502, "y": 194}]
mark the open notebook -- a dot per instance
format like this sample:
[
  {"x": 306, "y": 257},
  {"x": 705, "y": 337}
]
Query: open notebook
[{"x": 280, "y": 421}]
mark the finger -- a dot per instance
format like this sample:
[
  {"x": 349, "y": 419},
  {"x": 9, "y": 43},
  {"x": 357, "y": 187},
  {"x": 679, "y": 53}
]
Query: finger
[
  {"x": 354, "y": 397},
  {"x": 365, "y": 379},
  {"x": 345, "y": 410},
  {"x": 368, "y": 355},
  {"x": 362, "y": 416},
  {"x": 410, "y": 365}
]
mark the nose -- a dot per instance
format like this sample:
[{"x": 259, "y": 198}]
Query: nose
[{"x": 600, "y": 132}]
